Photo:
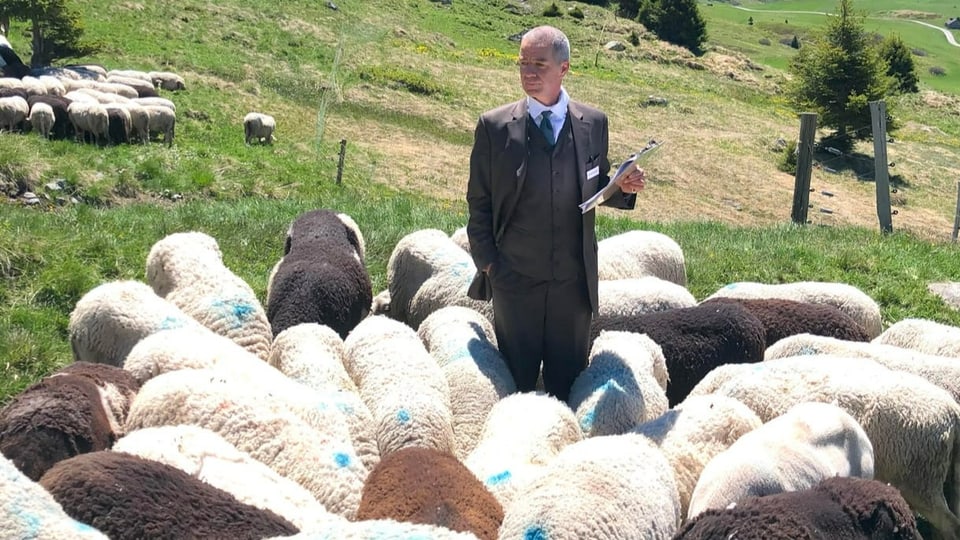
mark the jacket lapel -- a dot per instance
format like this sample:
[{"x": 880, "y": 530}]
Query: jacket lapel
[
  {"x": 516, "y": 144},
  {"x": 581, "y": 139}
]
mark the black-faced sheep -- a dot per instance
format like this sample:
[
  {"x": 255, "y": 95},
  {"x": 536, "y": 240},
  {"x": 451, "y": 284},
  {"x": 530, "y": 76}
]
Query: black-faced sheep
[
  {"x": 697, "y": 339},
  {"x": 782, "y": 318},
  {"x": 837, "y": 508},
  {"x": 423, "y": 485},
  {"x": 321, "y": 277},
  {"x": 126, "y": 496},
  {"x": 258, "y": 127}
]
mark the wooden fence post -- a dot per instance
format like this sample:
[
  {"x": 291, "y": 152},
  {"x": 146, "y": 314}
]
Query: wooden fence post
[
  {"x": 343, "y": 153},
  {"x": 801, "y": 186},
  {"x": 956, "y": 216},
  {"x": 878, "y": 116}
]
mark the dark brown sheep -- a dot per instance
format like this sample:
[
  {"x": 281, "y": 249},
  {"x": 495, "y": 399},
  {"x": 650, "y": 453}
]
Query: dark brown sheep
[
  {"x": 784, "y": 318},
  {"x": 128, "y": 497},
  {"x": 59, "y": 417},
  {"x": 117, "y": 386},
  {"x": 424, "y": 485},
  {"x": 837, "y": 509},
  {"x": 697, "y": 339}
]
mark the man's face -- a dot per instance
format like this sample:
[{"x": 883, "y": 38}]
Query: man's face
[{"x": 540, "y": 74}]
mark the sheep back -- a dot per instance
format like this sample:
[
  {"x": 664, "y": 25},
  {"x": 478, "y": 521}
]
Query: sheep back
[
  {"x": 117, "y": 388},
  {"x": 782, "y": 318},
  {"x": 636, "y": 254}
]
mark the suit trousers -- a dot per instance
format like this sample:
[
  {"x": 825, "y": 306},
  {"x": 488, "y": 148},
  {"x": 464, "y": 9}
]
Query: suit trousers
[{"x": 542, "y": 320}]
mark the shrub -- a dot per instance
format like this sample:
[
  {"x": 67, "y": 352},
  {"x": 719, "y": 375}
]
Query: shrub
[
  {"x": 552, "y": 11},
  {"x": 938, "y": 71},
  {"x": 633, "y": 38},
  {"x": 918, "y": 52},
  {"x": 417, "y": 83},
  {"x": 765, "y": 41},
  {"x": 576, "y": 13},
  {"x": 788, "y": 158}
]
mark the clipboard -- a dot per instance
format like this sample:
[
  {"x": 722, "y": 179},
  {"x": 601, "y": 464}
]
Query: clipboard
[{"x": 625, "y": 168}]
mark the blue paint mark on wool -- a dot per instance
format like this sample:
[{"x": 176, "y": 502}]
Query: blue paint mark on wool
[
  {"x": 239, "y": 310},
  {"x": 403, "y": 416},
  {"x": 345, "y": 408},
  {"x": 807, "y": 350},
  {"x": 461, "y": 269},
  {"x": 171, "y": 322},
  {"x": 586, "y": 423},
  {"x": 536, "y": 532},
  {"x": 499, "y": 478},
  {"x": 83, "y": 528},
  {"x": 342, "y": 460},
  {"x": 30, "y": 521}
]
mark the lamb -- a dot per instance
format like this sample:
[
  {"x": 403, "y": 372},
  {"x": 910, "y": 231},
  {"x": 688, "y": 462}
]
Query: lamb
[
  {"x": 167, "y": 80},
  {"x": 187, "y": 269},
  {"x": 55, "y": 419},
  {"x": 206, "y": 456},
  {"x": 42, "y": 119},
  {"x": 522, "y": 434},
  {"x": 426, "y": 272},
  {"x": 836, "y": 508},
  {"x": 423, "y": 485},
  {"x": 697, "y": 339},
  {"x": 924, "y": 336},
  {"x": 847, "y": 298},
  {"x": 62, "y": 127},
  {"x": 695, "y": 431},
  {"x": 258, "y": 127},
  {"x": 622, "y": 299},
  {"x": 601, "y": 488},
  {"x": 463, "y": 343},
  {"x": 89, "y": 119},
  {"x": 157, "y": 500},
  {"x": 635, "y": 254},
  {"x": 161, "y": 120},
  {"x": 623, "y": 386},
  {"x": 323, "y": 463},
  {"x": 402, "y": 385},
  {"x": 914, "y": 426},
  {"x": 111, "y": 318},
  {"x": 321, "y": 277},
  {"x": 792, "y": 452},
  {"x": 13, "y": 112},
  {"x": 939, "y": 370},
  {"x": 782, "y": 318},
  {"x": 29, "y": 511}
]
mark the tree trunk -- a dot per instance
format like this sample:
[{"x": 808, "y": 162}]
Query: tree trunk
[
  {"x": 4, "y": 24},
  {"x": 37, "y": 59}
]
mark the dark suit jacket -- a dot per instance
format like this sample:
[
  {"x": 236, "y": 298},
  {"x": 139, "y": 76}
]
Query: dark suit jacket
[{"x": 498, "y": 169}]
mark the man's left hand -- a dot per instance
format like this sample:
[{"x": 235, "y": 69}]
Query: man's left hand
[{"x": 633, "y": 182}]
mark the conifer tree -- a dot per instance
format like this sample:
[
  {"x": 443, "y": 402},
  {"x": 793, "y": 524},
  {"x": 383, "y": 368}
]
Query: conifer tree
[
  {"x": 55, "y": 27},
  {"x": 900, "y": 64},
  {"x": 676, "y": 21}
]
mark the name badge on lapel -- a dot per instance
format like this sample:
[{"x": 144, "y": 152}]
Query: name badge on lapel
[{"x": 593, "y": 173}]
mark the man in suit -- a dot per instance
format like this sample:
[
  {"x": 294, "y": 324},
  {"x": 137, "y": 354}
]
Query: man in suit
[{"x": 533, "y": 162}]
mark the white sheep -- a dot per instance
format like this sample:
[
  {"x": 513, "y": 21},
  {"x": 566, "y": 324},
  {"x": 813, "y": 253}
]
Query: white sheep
[
  {"x": 258, "y": 127},
  {"x": 635, "y": 254},
  {"x": 379, "y": 529},
  {"x": 161, "y": 120},
  {"x": 463, "y": 343},
  {"x": 156, "y": 102},
  {"x": 114, "y": 88},
  {"x": 693, "y": 432},
  {"x": 601, "y": 488},
  {"x": 13, "y": 112},
  {"x": 42, "y": 118},
  {"x": 142, "y": 76},
  {"x": 846, "y": 298},
  {"x": 167, "y": 80},
  {"x": 792, "y": 452},
  {"x": 924, "y": 336},
  {"x": 33, "y": 86},
  {"x": 110, "y": 319},
  {"x": 522, "y": 434},
  {"x": 142, "y": 87},
  {"x": 187, "y": 269},
  {"x": 208, "y": 457},
  {"x": 27, "y": 510},
  {"x": 139, "y": 121},
  {"x": 461, "y": 239},
  {"x": 52, "y": 85},
  {"x": 621, "y": 299},
  {"x": 326, "y": 466},
  {"x": 624, "y": 384},
  {"x": 914, "y": 426},
  {"x": 99, "y": 96},
  {"x": 89, "y": 118}
]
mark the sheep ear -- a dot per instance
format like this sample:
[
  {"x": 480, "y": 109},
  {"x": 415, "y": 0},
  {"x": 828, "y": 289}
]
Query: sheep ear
[
  {"x": 352, "y": 237},
  {"x": 287, "y": 245}
]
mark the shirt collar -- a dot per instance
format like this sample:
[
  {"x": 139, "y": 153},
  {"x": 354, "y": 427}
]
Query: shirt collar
[{"x": 558, "y": 109}]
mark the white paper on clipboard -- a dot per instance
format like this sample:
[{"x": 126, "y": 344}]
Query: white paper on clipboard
[{"x": 625, "y": 168}]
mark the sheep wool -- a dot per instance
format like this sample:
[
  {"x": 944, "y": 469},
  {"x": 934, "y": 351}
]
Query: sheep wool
[
  {"x": 620, "y": 389},
  {"x": 522, "y": 434},
  {"x": 380, "y": 529},
  {"x": 113, "y": 317},
  {"x": 913, "y": 425},
  {"x": 695, "y": 431},
  {"x": 635, "y": 254},
  {"x": 461, "y": 239},
  {"x": 258, "y": 127},
  {"x": 462, "y": 341},
  {"x": 625, "y": 298},
  {"x": 187, "y": 269},
  {"x": 158, "y": 500},
  {"x": 847, "y": 298},
  {"x": 116, "y": 386},
  {"x": 29, "y": 511},
  {"x": 783, "y": 318},
  {"x": 428, "y": 271},
  {"x": 601, "y": 488},
  {"x": 924, "y": 336},
  {"x": 324, "y": 465},
  {"x": 792, "y": 452},
  {"x": 206, "y": 456},
  {"x": 422, "y": 485}
]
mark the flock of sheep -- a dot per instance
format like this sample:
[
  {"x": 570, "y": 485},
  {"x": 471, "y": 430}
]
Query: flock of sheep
[{"x": 768, "y": 411}]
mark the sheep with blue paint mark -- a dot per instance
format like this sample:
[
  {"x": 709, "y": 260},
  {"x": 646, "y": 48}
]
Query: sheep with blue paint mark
[
  {"x": 402, "y": 385},
  {"x": 29, "y": 511},
  {"x": 110, "y": 319},
  {"x": 428, "y": 271},
  {"x": 602, "y": 488},
  {"x": 792, "y": 452},
  {"x": 207, "y": 456},
  {"x": 259, "y": 425},
  {"x": 923, "y": 335},
  {"x": 187, "y": 269},
  {"x": 463, "y": 343},
  {"x": 312, "y": 354},
  {"x": 522, "y": 435},
  {"x": 623, "y": 385},
  {"x": 693, "y": 432},
  {"x": 635, "y": 254}
]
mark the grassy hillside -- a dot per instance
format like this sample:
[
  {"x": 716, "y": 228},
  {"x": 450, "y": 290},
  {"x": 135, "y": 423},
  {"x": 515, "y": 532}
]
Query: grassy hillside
[{"x": 403, "y": 84}]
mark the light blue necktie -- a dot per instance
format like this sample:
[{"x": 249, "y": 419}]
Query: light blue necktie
[{"x": 546, "y": 127}]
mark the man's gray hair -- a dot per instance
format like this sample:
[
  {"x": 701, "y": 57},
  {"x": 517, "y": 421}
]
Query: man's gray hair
[{"x": 555, "y": 38}]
